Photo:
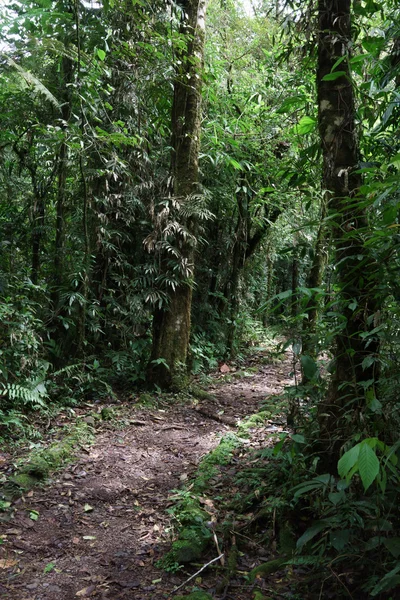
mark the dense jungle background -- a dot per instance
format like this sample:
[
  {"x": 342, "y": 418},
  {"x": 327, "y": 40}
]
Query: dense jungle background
[{"x": 190, "y": 191}]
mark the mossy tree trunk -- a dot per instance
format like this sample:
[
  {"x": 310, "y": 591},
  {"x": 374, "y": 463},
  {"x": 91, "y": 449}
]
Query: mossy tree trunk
[
  {"x": 339, "y": 413},
  {"x": 171, "y": 325}
]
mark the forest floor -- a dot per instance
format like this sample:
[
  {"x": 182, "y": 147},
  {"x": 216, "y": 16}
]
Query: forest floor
[{"x": 97, "y": 528}]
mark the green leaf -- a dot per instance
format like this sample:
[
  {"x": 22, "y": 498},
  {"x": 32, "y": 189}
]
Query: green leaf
[
  {"x": 299, "y": 439},
  {"x": 339, "y": 539},
  {"x": 88, "y": 508},
  {"x": 388, "y": 582},
  {"x": 336, "y": 497},
  {"x": 101, "y": 54},
  {"x": 309, "y": 367},
  {"x": 393, "y": 545},
  {"x": 395, "y": 162},
  {"x": 367, "y": 362},
  {"x": 368, "y": 465},
  {"x": 305, "y": 125},
  {"x": 235, "y": 164},
  {"x": 319, "y": 482},
  {"x": 283, "y": 295},
  {"x": 359, "y": 58},
  {"x": 348, "y": 460},
  {"x": 49, "y": 567},
  {"x": 333, "y": 76},
  {"x": 291, "y": 103},
  {"x": 310, "y": 533},
  {"x": 34, "y": 515}
]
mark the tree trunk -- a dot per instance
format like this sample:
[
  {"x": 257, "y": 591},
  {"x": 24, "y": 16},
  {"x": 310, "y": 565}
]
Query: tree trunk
[
  {"x": 66, "y": 80},
  {"x": 339, "y": 412},
  {"x": 37, "y": 235},
  {"x": 295, "y": 283},
  {"x": 314, "y": 280},
  {"x": 171, "y": 327}
]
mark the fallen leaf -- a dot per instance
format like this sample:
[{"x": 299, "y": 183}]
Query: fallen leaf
[
  {"x": 224, "y": 368},
  {"x": 6, "y": 563},
  {"x": 88, "y": 508},
  {"x": 75, "y": 540},
  {"x": 34, "y": 515},
  {"x": 13, "y": 532},
  {"x": 87, "y": 591},
  {"x": 89, "y": 537}
]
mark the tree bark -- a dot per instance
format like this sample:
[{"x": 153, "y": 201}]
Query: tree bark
[
  {"x": 340, "y": 411},
  {"x": 171, "y": 326},
  {"x": 66, "y": 80},
  {"x": 314, "y": 280}
]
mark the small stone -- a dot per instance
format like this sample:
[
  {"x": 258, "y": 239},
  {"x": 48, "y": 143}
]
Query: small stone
[{"x": 32, "y": 586}]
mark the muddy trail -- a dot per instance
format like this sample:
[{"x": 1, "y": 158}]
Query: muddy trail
[{"x": 100, "y": 524}]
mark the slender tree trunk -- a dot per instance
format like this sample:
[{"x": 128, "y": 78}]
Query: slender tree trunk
[
  {"x": 66, "y": 75},
  {"x": 238, "y": 259},
  {"x": 340, "y": 411},
  {"x": 295, "y": 284},
  {"x": 37, "y": 235},
  {"x": 171, "y": 329},
  {"x": 314, "y": 280}
]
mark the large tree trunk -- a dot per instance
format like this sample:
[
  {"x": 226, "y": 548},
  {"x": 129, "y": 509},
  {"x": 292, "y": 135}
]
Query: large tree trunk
[
  {"x": 339, "y": 412},
  {"x": 171, "y": 330}
]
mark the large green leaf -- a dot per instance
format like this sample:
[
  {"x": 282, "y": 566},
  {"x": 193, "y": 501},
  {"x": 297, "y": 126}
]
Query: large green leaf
[
  {"x": 310, "y": 533},
  {"x": 348, "y": 460},
  {"x": 339, "y": 538},
  {"x": 334, "y": 75},
  {"x": 393, "y": 545},
  {"x": 368, "y": 465},
  {"x": 309, "y": 367},
  {"x": 388, "y": 582},
  {"x": 305, "y": 125}
]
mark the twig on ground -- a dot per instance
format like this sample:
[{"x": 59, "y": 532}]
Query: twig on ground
[{"x": 197, "y": 573}]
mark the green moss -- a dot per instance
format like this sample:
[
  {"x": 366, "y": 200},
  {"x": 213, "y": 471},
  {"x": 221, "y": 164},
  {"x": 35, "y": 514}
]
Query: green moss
[
  {"x": 147, "y": 400},
  {"x": 107, "y": 414},
  {"x": 258, "y": 419},
  {"x": 38, "y": 467},
  {"x": 180, "y": 379},
  {"x": 24, "y": 481},
  {"x": 221, "y": 455},
  {"x": 200, "y": 394},
  {"x": 191, "y": 544},
  {"x": 40, "y": 463},
  {"x": 267, "y": 568}
]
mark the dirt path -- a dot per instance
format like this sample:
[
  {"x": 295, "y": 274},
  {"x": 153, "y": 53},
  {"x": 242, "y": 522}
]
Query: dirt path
[{"x": 102, "y": 521}]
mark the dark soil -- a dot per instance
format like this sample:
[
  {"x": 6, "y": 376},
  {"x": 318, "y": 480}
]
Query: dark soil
[{"x": 102, "y": 522}]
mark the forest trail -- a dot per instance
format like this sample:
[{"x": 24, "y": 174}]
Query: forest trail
[{"x": 102, "y": 521}]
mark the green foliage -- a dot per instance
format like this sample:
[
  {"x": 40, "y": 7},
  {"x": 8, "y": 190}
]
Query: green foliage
[{"x": 36, "y": 467}]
